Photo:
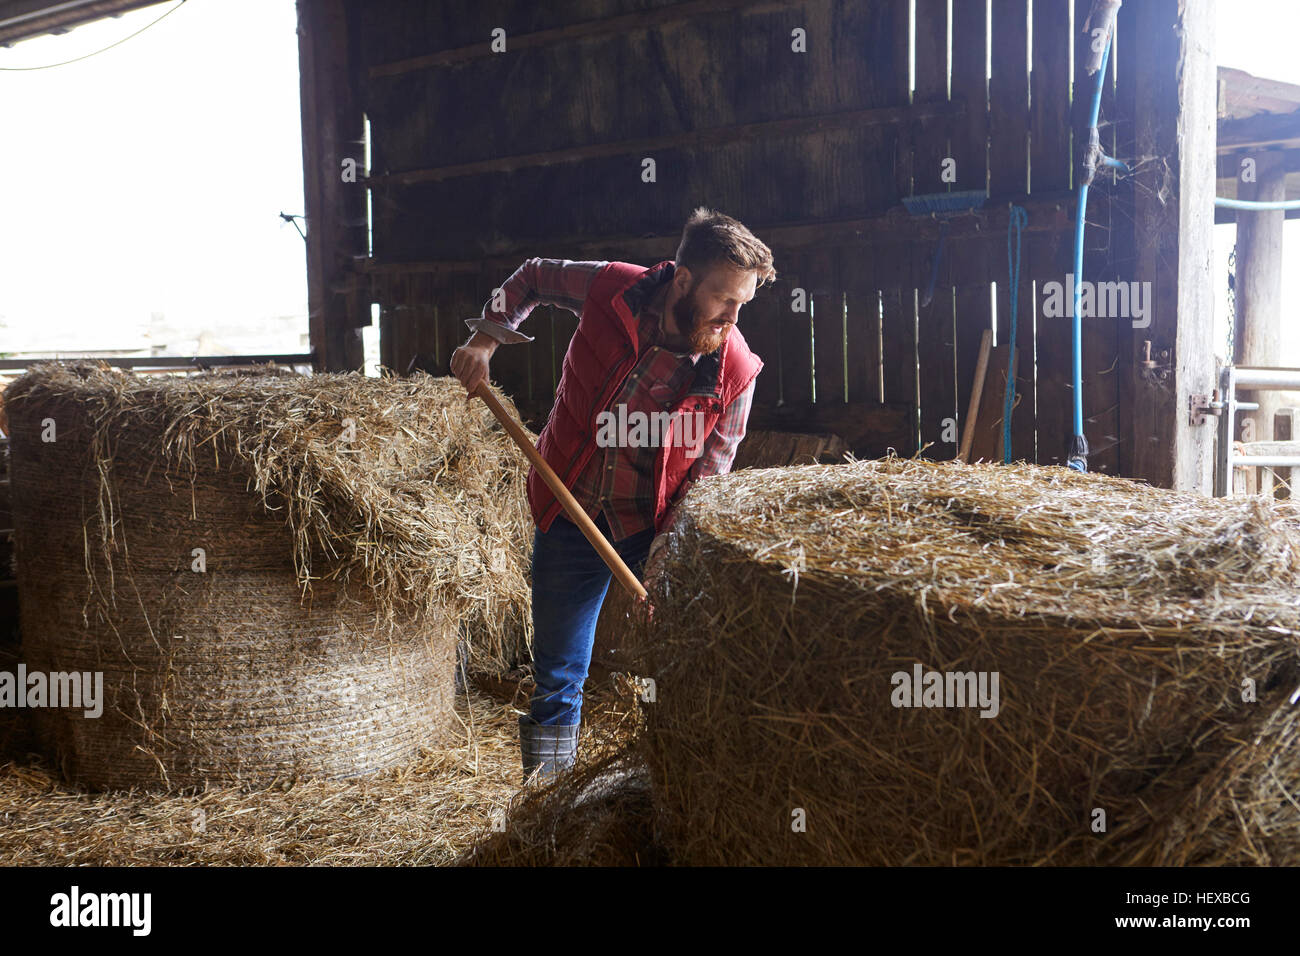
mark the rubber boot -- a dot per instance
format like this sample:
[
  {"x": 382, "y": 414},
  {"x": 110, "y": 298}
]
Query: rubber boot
[{"x": 546, "y": 749}]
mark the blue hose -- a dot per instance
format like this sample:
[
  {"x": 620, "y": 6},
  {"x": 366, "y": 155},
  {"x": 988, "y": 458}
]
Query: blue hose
[
  {"x": 1078, "y": 456},
  {"x": 1222, "y": 203}
]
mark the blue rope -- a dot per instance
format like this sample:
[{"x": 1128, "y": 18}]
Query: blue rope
[{"x": 1019, "y": 218}]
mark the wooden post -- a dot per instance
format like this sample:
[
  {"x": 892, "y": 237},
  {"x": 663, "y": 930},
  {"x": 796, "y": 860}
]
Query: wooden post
[
  {"x": 1171, "y": 85},
  {"x": 1257, "y": 338},
  {"x": 332, "y": 130}
]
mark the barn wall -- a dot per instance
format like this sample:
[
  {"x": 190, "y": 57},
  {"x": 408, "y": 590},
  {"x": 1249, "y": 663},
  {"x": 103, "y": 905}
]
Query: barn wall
[{"x": 481, "y": 159}]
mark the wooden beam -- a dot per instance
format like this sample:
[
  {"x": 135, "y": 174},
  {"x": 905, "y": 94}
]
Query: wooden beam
[
  {"x": 1047, "y": 214},
  {"x": 1257, "y": 132},
  {"x": 23, "y": 19},
  {"x": 607, "y": 26},
  {"x": 695, "y": 139},
  {"x": 1241, "y": 94}
]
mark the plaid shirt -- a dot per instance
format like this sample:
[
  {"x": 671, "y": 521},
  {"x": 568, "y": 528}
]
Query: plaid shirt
[{"x": 620, "y": 481}]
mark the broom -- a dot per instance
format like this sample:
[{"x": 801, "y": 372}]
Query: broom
[{"x": 943, "y": 205}]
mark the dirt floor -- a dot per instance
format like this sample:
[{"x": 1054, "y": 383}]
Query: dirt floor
[{"x": 425, "y": 813}]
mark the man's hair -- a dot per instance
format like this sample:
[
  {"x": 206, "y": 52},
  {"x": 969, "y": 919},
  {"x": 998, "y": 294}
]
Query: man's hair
[{"x": 711, "y": 237}]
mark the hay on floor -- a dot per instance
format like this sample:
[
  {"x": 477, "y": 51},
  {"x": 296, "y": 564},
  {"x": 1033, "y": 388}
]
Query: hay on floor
[
  {"x": 599, "y": 813},
  {"x": 427, "y": 812},
  {"x": 270, "y": 572},
  {"x": 1125, "y": 624}
]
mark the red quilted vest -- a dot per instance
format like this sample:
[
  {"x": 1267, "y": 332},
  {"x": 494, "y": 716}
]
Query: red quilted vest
[{"x": 601, "y": 353}]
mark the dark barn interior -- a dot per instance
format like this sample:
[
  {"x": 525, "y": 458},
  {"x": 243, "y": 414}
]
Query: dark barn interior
[{"x": 481, "y": 159}]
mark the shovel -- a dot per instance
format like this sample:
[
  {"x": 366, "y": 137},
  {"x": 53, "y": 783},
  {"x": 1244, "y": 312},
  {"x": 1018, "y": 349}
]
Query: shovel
[{"x": 571, "y": 507}]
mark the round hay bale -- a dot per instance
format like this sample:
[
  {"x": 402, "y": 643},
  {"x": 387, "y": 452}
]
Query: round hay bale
[
  {"x": 269, "y": 572},
  {"x": 1146, "y": 645}
]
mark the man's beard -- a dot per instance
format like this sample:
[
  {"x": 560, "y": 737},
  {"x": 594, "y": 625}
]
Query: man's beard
[{"x": 702, "y": 339}]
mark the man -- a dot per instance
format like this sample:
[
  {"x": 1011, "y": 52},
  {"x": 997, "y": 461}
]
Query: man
[{"x": 655, "y": 395}]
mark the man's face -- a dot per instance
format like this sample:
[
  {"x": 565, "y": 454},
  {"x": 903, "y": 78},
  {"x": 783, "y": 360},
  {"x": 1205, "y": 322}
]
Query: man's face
[{"x": 707, "y": 313}]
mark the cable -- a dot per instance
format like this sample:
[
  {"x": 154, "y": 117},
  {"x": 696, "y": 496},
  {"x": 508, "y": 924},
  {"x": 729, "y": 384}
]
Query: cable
[{"x": 50, "y": 66}]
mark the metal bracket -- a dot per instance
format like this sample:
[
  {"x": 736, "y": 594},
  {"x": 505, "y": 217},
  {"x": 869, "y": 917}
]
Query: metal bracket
[
  {"x": 1151, "y": 370},
  {"x": 1199, "y": 408}
]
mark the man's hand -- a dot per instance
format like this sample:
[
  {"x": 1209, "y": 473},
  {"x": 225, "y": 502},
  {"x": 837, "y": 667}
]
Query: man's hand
[{"x": 469, "y": 363}]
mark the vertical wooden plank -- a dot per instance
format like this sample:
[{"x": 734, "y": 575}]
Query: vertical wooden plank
[
  {"x": 828, "y": 326},
  {"x": 935, "y": 382},
  {"x": 1124, "y": 251},
  {"x": 429, "y": 297},
  {"x": 1049, "y": 155},
  {"x": 760, "y": 322},
  {"x": 425, "y": 325},
  {"x": 509, "y": 362},
  {"x": 1023, "y": 447},
  {"x": 1110, "y": 129},
  {"x": 1189, "y": 318},
  {"x": 385, "y": 334},
  {"x": 539, "y": 360},
  {"x": 970, "y": 278},
  {"x": 931, "y": 87},
  {"x": 387, "y": 310},
  {"x": 857, "y": 269},
  {"x": 399, "y": 345},
  {"x": 970, "y": 85},
  {"x": 898, "y": 328},
  {"x": 1009, "y": 99},
  {"x": 901, "y": 48},
  {"x": 935, "y": 345},
  {"x": 1100, "y": 354},
  {"x": 987, "y": 437},
  {"x": 453, "y": 304},
  {"x": 867, "y": 34},
  {"x": 1100, "y": 360},
  {"x": 1055, "y": 394},
  {"x": 796, "y": 338}
]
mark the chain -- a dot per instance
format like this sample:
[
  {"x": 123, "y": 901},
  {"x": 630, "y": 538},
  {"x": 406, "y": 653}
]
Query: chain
[{"x": 1232, "y": 302}]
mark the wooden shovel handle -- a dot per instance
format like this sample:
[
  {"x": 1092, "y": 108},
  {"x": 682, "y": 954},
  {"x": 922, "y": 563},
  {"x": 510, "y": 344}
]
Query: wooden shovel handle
[
  {"x": 571, "y": 506},
  {"x": 976, "y": 393}
]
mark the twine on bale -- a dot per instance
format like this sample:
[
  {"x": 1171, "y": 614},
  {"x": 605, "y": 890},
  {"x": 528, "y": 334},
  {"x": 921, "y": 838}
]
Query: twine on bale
[
  {"x": 1122, "y": 621},
  {"x": 350, "y": 526}
]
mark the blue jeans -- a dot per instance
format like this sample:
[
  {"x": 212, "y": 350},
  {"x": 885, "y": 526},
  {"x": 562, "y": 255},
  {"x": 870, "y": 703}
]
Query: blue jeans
[{"x": 569, "y": 585}]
